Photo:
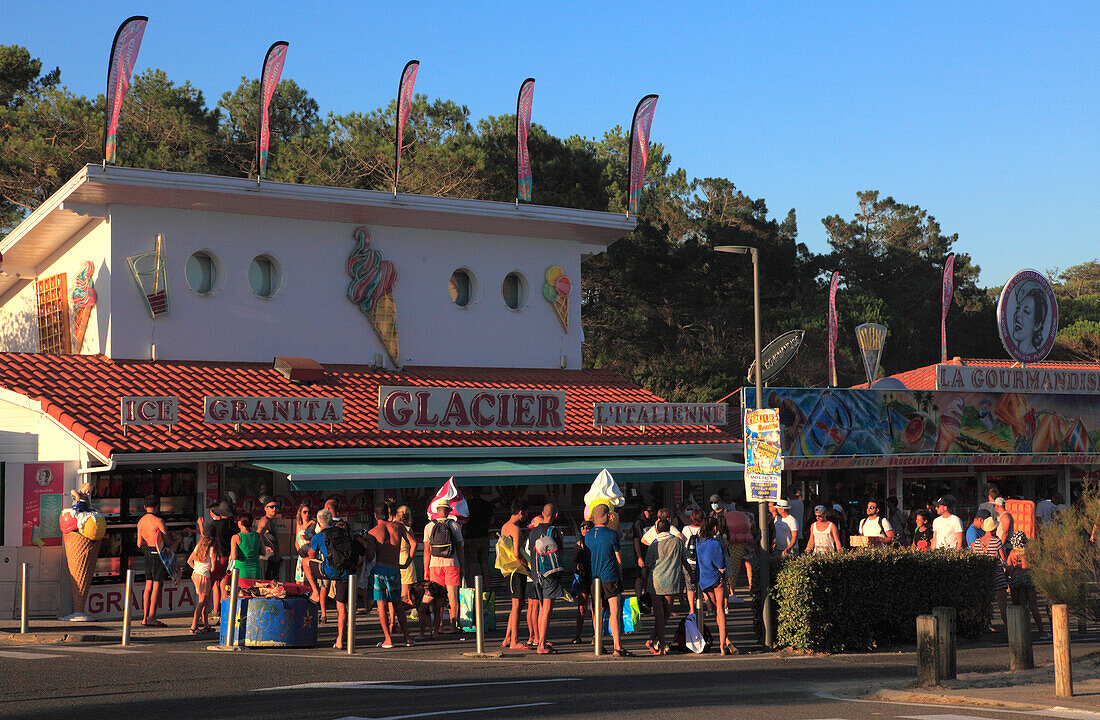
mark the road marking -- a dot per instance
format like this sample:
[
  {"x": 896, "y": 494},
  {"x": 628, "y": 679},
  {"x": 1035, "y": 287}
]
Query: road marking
[
  {"x": 1056, "y": 711},
  {"x": 946, "y": 717},
  {"x": 447, "y": 712},
  {"x": 17, "y": 655},
  {"x": 389, "y": 685},
  {"x": 99, "y": 650}
]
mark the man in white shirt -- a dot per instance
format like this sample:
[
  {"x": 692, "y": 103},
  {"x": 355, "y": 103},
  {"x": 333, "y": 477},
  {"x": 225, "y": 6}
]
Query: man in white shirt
[
  {"x": 947, "y": 530},
  {"x": 786, "y": 529},
  {"x": 875, "y": 526},
  {"x": 1046, "y": 509}
]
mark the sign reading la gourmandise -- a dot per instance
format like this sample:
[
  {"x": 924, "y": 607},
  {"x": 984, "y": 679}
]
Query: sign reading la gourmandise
[
  {"x": 639, "y": 414},
  {"x": 1018, "y": 379},
  {"x": 470, "y": 409}
]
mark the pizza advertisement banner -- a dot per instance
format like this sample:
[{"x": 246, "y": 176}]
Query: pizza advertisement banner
[
  {"x": 830, "y": 427},
  {"x": 763, "y": 455}
]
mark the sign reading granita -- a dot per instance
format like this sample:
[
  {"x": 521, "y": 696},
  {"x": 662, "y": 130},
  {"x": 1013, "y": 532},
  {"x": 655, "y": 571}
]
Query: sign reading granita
[
  {"x": 637, "y": 414},
  {"x": 470, "y": 409},
  {"x": 272, "y": 410}
]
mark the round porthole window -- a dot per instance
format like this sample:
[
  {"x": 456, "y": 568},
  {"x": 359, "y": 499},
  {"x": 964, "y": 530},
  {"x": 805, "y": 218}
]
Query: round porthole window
[
  {"x": 202, "y": 272},
  {"x": 264, "y": 276},
  {"x": 462, "y": 287},
  {"x": 514, "y": 290}
]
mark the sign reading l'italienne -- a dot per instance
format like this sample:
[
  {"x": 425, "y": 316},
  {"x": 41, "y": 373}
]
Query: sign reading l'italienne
[
  {"x": 470, "y": 409},
  {"x": 1052, "y": 381},
  {"x": 638, "y": 414},
  {"x": 272, "y": 410}
]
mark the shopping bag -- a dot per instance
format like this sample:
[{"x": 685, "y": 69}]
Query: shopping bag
[
  {"x": 632, "y": 616},
  {"x": 466, "y": 610},
  {"x": 693, "y": 639}
]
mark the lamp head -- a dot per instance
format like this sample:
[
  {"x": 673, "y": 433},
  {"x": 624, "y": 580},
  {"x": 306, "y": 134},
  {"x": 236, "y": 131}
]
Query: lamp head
[{"x": 737, "y": 249}]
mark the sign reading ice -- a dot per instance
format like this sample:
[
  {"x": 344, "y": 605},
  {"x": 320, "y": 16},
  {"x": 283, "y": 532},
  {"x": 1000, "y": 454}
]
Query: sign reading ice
[
  {"x": 638, "y": 414},
  {"x": 470, "y": 409}
]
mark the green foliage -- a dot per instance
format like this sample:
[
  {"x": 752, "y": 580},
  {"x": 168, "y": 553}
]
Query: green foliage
[
  {"x": 1064, "y": 556},
  {"x": 869, "y": 598}
]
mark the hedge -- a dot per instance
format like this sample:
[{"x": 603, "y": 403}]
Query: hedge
[{"x": 869, "y": 598}]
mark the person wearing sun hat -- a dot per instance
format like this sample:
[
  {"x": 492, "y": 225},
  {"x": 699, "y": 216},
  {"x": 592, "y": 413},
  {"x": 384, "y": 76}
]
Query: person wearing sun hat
[
  {"x": 786, "y": 529},
  {"x": 989, "y": 544},
  {"x": 1020, "y": 583}
]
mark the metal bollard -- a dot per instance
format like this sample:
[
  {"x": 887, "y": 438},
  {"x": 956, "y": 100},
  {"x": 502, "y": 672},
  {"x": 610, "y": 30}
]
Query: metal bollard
[
  {"x": 946, "y": 633},
  {"x": 928, "y": 659},
  {"x": 231, "y": 626},
  {"x": 24, "y": 619},
  {"x": 478, "y": 619},
  {"x": 1063, "y": 676},
  {"x": 597, "y": 615},
  {"x": 127, "y": 608},
  {"x": 353, "y": 590},
  {"x": 1020, "y": 654}
]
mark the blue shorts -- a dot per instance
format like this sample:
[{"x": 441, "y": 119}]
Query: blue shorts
[{"x": 387, "y": 583}]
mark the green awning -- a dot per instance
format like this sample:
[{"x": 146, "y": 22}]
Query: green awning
[{"x": 371, "y": 474}]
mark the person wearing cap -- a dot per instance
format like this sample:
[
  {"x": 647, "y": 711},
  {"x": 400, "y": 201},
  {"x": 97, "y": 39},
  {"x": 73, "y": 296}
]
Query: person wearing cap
[
  {"x": 947, "y": 529},
  {"x": 220, "y": 528},
  {"x": 824, "y": 537},
  {"x": 1006, "y": 523},
  {"x": 875, "y": 526},
  {"x": 786, "y": 529},
  {"x": 268, "y": 529},
  {"x": 443, "y": 566},
  {"x": 989, "y": 544},
  {"x": 975, "y": 530}
]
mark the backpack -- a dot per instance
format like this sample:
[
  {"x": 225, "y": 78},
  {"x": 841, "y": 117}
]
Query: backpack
[
  {"x": 547, "y": 553},
  {"x": 441, "y": 541},
  {"x": 342, "y": 552},
  {"x": 881, "y": 528},
  {"x": 690, "y": 553},
  {"x": 689, "y": 638}
]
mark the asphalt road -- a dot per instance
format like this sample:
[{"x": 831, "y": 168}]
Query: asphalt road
[{"x": 183, "y": 680}]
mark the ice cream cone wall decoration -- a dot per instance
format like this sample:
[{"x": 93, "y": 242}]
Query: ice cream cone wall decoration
[
  {"x": 556, "y": 290},
  {"x": 84, "y": 298},
  {"x": 371, "y": 289}
]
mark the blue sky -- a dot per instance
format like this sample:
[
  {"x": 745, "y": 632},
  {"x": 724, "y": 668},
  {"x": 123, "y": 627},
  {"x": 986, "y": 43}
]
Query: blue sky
[{"x": 984, "y": 114}]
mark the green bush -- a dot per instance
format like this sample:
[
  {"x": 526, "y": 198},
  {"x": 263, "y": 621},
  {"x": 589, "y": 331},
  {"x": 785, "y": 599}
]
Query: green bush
[
  {"x": 1064, "y": 562},
  {"x": 868, "y": 598}
]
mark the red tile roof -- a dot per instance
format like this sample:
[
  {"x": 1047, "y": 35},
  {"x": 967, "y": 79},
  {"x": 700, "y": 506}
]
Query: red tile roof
[
  {"x": 82, "y": 392},
  {"x": 924, "y": 378}
]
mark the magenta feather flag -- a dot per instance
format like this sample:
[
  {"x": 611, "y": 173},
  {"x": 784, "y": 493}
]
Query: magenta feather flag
[
  {"x": 945, "y": 299},
  {"x": 404, "y": 107},
  {"x": 120, "y": 68},
  {"x": 269, "y": 80},
  {"x": 523, "y": 127},
  {"x": 639, "y": 149},
  {"x": 832, "y": 328}
]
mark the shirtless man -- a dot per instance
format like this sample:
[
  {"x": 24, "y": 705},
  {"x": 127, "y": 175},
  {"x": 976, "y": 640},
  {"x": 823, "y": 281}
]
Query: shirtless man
[
  {"x": 387, "y": 577},
  {"x": 516, "y": 580},
  {"x": 150, "y": 529}
]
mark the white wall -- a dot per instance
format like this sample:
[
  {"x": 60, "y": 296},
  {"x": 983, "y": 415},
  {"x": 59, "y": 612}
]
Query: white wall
[
  {"x": 311, "y": 315},
  {"x": 18, "y": 316}
]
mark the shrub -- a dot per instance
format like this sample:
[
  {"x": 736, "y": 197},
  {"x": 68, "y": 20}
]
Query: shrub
[
  {"x": 1064, "y": 564},
  {"x": 864, "y": 599}
]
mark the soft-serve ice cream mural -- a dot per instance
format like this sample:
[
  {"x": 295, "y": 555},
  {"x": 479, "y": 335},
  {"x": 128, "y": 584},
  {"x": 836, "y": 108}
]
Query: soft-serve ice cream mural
[
  {"x": 604, "y": 491},
  {"x": 555, "y": 289},
  {"x": 371, "y": 289},
  {"x": 893, "y": 427}
]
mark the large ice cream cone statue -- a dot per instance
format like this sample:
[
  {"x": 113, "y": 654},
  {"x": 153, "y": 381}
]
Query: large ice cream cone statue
[
  {"x": 556, "y": 289},
  {"x": 950, "y": 424},
  {"x": 371, "y": 289},
  {"x": 84, "y": 297},
  {"x": 82, "y": 528},
  {"x": 604, "y": 491}
]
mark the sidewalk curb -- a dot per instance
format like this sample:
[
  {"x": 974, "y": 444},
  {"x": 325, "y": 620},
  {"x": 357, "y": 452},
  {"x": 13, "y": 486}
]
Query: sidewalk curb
[{"x": 925, "y": 696}]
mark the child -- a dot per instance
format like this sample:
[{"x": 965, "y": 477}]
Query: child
[
  {"x": 200, "y": 561},
  {"x": 582, "y": 579}
]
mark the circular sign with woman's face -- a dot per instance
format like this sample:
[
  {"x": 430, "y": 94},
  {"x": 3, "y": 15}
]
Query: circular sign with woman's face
[{"x": 1027, "y": 316}]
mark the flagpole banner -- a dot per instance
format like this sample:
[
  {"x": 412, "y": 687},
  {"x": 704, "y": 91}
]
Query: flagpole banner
[
  {"x": 523, "y": 127},
  {"x": 120, "y": 68},
  {"x": 639, "y": 148},
  {"x": 404, "y": 107},
  {"x": 269, "y": 80},
  {"x": 832, "y": 328},
  {"x": 945, "y": 299}
]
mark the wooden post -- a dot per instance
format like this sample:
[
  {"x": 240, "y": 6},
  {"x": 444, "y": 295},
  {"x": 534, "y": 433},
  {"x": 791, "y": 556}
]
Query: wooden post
[
  {"x": 353, "y": 590},
  {"x": 1019, "y": 639},
  {"x": 597, "y": 616},
  {"x": 231, "y": 626},
  {"x": 478, "y": 620},
  {"x": 126, "y": 608},
  {"x": 24, "y": 618},
  {"x": 928, "y": 660},
  {"x": 1063, "y": 676},
  {"x": 946, "y": 631}
]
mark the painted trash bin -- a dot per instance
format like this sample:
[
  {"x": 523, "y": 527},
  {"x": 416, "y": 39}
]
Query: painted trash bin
[{"x": 272, "y": 622}]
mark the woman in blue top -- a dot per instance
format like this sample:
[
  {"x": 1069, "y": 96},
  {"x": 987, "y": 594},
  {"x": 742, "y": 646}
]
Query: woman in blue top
[{"x": 711, "y": 559}]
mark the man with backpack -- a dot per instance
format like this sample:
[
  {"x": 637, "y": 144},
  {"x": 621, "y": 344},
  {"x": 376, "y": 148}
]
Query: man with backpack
[
  {"x": 875, "y": 527},
  {"x": 443, "y": 563},
  {"x": 544, "y": 544},
  {"x": 333, "y": 556}
]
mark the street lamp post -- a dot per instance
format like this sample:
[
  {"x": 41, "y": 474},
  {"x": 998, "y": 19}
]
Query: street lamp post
[{"x": 763, "y": 574}]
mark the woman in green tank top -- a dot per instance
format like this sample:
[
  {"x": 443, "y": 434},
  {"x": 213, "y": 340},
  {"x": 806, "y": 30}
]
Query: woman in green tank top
[{"x": 245, "y": 555}]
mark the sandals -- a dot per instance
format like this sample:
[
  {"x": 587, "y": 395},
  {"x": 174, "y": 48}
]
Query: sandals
[
  {"x": 654, "y": 646},
  {"x": 548, "y": 650},
  {"x": 384, "y": 645},
  {"x": 622, "y": 652}
]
